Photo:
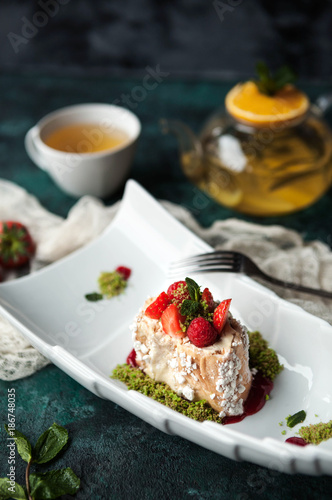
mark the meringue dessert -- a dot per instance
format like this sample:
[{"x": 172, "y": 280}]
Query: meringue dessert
[{"x": 193, "y": 344}]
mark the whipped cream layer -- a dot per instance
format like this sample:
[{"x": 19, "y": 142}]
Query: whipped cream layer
[{"x": 218, "y": 373}]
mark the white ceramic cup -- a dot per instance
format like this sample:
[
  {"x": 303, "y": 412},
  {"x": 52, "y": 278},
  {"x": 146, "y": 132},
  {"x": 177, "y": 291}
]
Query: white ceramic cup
[{"x": 97, "y": 173}]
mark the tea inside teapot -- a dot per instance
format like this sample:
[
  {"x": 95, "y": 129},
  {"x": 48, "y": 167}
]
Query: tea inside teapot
[{"x": 267, "y": 155}]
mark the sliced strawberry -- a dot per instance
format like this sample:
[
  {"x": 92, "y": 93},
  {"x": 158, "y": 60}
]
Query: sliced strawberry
[
  {"x": 171, "y": 321},
  {"x": 178, "y": 292},
  {"x": 207, "y": 297},
  {"x": 157, "y": 307},
  {"x": 220, "y": 315},
  {"x": 201, "y": 333},
  {"x": 124, "y": 271}
]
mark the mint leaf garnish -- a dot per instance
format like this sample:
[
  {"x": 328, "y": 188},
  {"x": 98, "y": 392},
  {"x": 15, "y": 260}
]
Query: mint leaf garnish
[
  {"x": 94, "y": 297},
  {"x": 190, "y": 307},
  {"x": 22, "y": 444},
  {"x": 194, "y": 289},
  {"x": 54, "y": 484},
  {"x": 50, "y": 443},
  {"x": 269, "y": 83},
  {"x": 295, "y": 419}
]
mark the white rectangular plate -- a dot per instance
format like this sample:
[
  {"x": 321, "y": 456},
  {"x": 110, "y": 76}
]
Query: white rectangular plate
[{"x": 87, "y": 340}]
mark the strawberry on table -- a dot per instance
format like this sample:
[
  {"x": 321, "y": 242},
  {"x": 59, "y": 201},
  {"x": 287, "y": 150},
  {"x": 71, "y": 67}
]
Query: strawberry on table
[
  {"x": 220, "y": 315},
  {"x": 157, "y": 307},
  {"x": 16, "y": 244},
  {"x": 171, "y": 320}
]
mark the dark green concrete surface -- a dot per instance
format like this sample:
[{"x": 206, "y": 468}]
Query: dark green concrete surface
[{"x": 116, "y": 455}]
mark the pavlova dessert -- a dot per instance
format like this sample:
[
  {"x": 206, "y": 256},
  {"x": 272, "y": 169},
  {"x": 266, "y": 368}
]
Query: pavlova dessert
[{"x": 192, "y": 343}]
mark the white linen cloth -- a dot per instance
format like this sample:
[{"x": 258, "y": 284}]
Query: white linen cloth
[{"x": 278, "y": 251}]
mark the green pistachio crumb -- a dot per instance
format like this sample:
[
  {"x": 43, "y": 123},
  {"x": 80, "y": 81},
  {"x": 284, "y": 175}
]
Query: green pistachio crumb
[
  {"x": 316, "y": 433},
  {"x": 136, "y": 380},
  {"x": 111, "y": 284},
  {"x": 316, "y": 415},
  {"x": 283, "y": 433},
  {"x": 262, "y": 357},
  {"x": 281, "y": 424},
  {"x": 267, "y": 397}
]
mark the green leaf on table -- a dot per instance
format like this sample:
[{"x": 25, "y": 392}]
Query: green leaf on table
[
  {"x": 193, "y": 289},
  {"x": 7, "y": 490},
  {"x": 23, "y": 444},
  {"x": 53, "y": 484},
  {"x": 50, "y": 443}
]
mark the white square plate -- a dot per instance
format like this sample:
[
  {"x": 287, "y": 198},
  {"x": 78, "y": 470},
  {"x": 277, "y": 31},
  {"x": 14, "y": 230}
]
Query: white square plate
[{"x": 87, "y": 340}]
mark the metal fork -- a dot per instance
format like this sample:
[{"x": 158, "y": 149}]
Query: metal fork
[{"x": 233, "y": 262}]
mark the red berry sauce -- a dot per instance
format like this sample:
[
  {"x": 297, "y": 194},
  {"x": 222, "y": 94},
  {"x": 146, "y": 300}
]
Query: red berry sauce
[
  {"x": 297, "y": 441},
  {"x": 260, "y": 388},
  {"x": 131, "y": 359}
]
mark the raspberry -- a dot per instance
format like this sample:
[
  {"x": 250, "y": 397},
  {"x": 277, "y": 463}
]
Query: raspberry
[
  {"x": 124, "y": 271},
  {"x": 158, "y": 306},
  {"x": 201, "y": 333}
]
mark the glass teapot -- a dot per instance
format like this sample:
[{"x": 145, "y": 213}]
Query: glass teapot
[{"x": 267, "y": 171}]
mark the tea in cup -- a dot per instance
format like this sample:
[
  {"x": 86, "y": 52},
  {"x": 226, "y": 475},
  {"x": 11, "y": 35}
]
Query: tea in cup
[{"x": 87, "y": 148}]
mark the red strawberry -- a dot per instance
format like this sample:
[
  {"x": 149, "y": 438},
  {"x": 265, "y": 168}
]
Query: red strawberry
[
  {"x": 16, "y": 244},
  {"x": 207, "y": 297},
  {"x": 171, "y": 320},
  {"x": 124, "y": 271},
  {"x": 220, "y": 315},
  {"x": 157, "y": 307},
  {"x": 178, "y": 292},
  {"x": 201, "y": 333}
]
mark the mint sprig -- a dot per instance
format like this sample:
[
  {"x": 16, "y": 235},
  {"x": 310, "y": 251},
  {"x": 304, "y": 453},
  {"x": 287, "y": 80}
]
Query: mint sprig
[
  {"x": 41, "y": 486},
  {"x": 195, "y": 306},
  {"x": 269, "y": 83},
  {"x": 193, "y": 289},
  {"x": 190, "y": 308}
]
